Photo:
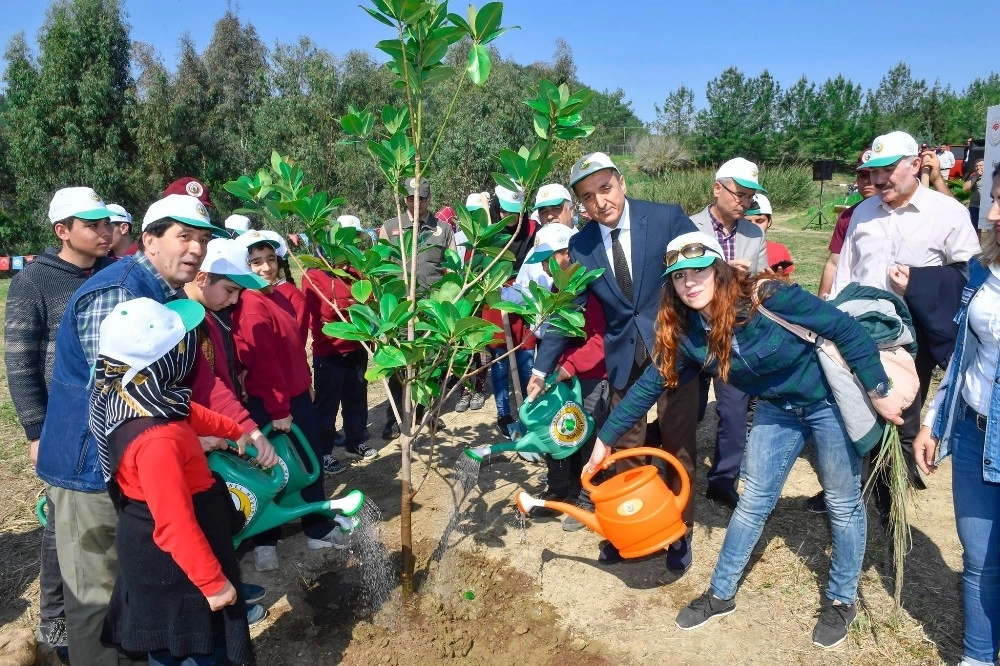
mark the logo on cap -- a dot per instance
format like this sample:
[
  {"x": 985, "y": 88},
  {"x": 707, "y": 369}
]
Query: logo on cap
[
  {"x": 194, "y": 189},
  {"x": 867, "y": 155},
  {"x": 253, "y": 234},
  {"x": 877, "y": 147},
  {"x": 584, "y": 165},
  {"x": 201, "y": 209},
  {"x": 95, "y": 196},
  {"x": 753, "y": 173},
  {"x": 413, "y": 183}
]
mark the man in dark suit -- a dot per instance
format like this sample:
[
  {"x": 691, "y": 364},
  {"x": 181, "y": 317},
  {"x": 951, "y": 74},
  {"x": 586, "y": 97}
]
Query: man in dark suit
[{"x": 627, "y": 238}]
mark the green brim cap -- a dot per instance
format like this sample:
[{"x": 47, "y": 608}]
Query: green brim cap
[
  {"x": 877, "y": 162},
  {"x": 549, "y": 202},
  {"x": 510, "y": 207},
  {"x": 539, "y": 257},
  {"x": 752, "y": 211},
  {"x": 749, "y": 184},
  {"x": 96, "y": 214},
  {"x": 191, "y": 312},
  {"x": 695, "y": 262},
  {"x": 248, "y": 280},
  {"x": 200, "y": 224}
]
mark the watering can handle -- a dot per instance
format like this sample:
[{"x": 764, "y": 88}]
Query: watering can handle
[
  {"x": 305, "y": 446},
  {"x": 682, "y": 497}
]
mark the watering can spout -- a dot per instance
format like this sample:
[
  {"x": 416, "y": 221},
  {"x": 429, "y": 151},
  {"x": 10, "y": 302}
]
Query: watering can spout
[
  {"x": 478, "y": 453},
  {"x": 526, "y": 502}
]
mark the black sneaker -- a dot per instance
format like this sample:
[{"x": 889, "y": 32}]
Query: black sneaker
[
  {"x": 390, "y": 431},
  {"x": 679, "y": 555},
  {"x": 571, "y": 524},
  {"x": 362, "y": 451},
  {"x": 723, "y": 494},
  {"x": 503, "y": 424},
  {"x": 703, "y": 609},
  {"x": 609, "y": 554},
  {"x": 463, "y": 402},
  {"x": 52, "y": 633},
  {"x": 832, "y": 625},
  {"x": 478, "y": 400},
  {"x": 816, "y": 503}
]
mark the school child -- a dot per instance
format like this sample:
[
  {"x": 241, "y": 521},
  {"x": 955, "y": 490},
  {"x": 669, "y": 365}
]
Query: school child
[
  {"x": 223, "y": 275},
  {"x": 277, "y": 381},
  {"x": 338, "y": 365},
  {"x": 177, "y": 595},
  {"x": 778, "y": 256},
  {"x": 276, "y": 270}
]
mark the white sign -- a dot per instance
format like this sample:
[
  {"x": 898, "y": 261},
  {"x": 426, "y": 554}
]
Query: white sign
[{"x": 990, "y": 162}]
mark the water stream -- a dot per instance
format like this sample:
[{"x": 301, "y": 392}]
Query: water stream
[{"x": 379, "y": 576}]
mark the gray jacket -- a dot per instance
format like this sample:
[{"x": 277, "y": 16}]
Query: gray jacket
[{"x": 750, "y": 243}]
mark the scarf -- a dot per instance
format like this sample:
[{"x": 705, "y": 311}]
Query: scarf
[{"x": 155, "y": 392}]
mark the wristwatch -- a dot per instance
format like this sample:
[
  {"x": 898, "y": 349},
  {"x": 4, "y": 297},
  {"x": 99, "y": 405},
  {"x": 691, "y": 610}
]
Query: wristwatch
[{"x": 882, "y": 389}]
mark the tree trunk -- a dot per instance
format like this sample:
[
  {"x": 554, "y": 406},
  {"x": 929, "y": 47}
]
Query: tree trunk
[{"x": 405, "y": 522}]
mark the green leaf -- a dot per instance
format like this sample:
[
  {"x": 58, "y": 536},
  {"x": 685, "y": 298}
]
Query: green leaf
[
  {"x": 378, "y": 16},
  {"x": 345, "y": 330},
  {"x": 461, "y": 23},
  {"x": 541, "y": 125},
  {"x": 479, "y": 64},
  {"x": 486, "y": 39},
  {"x": 389, "y": 357},
  {"x": 487, "y": 20},
  {"x": 377, "y": 373},
  {"x": 361, "y": 290},
  {"x": 503, "y": 180}
]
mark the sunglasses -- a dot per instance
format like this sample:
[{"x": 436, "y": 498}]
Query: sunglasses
[{"x": 690, "y": 251}]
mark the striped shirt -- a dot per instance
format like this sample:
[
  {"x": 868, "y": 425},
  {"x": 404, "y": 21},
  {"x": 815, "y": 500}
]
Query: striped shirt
[{"x": 727, "y": 241}]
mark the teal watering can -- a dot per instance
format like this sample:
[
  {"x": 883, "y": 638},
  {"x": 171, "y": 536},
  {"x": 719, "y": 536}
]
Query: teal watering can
[
  {"x": 269, "y": 498},
  {"x": 554, "y": 423}
]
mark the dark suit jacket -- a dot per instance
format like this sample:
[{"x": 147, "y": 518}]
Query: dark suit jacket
[
  {"x": 934, "y": 295},
  {"x": 652, "y": 226}
]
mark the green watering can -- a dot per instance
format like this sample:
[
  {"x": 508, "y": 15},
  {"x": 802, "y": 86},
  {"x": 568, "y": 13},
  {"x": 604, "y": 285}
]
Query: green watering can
[
  {"x": 554, "y": 423},
  {"x": 270, "y": 498}
]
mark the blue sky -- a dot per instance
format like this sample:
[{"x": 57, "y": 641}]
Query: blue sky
[{"x": 646, "y": 47}]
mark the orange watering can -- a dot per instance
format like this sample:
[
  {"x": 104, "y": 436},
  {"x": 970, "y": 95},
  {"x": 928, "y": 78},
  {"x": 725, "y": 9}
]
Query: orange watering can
[{"x": 633, "y": 510}]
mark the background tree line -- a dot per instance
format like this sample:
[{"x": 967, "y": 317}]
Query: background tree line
[{"x": 89, "y": 105}]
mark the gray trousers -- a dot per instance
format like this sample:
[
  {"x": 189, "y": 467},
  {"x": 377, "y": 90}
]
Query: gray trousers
[{"x": 85, "y": 542}]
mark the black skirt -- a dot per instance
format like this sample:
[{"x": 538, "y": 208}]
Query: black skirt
[{"x": 154, "y": 606}]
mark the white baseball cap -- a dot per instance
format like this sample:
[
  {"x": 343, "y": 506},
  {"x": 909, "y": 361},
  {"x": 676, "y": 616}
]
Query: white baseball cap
[
  {"x": 511, "y": 201},
  {"x": 228, "y": 258},
  {"x": 238, "y": 223},
  {"x": 119, "y": 214},
  {"x": 550, "y": 239},
  {"x": 589, "y": 164},
  {"x": 742, "y": 171},
  {"x": 351, "y": 221},
  {"x": 552, "y": 194},
  {"x": 761, "y": 205},
  {"x": 477, "y": 200},
  {"x": 264, "y": 236},
  {"x": 890, "y": 148},
  {"x": 184, "y": 209},
  {"x": 81, "y": 202},
  {"x": 712, "y": 251},
  {"x": 140, "y": 331}
]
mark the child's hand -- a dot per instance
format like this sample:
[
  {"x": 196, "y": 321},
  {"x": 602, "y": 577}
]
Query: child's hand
[
  {"x": 225, "y": 597},
  {"x": 282, "y": 425},
  {"x": 241, "y": 443},
  {"x": 266, "y": 457}
]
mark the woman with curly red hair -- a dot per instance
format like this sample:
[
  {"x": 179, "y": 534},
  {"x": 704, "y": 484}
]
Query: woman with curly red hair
[{"x": 709, "y": 318}]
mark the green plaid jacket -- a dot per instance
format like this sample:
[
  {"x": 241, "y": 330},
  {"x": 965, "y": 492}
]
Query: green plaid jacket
[{"x": 766, "y": 361}]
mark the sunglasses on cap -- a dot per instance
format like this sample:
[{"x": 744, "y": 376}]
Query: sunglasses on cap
[{"x": 689, "y": 251}]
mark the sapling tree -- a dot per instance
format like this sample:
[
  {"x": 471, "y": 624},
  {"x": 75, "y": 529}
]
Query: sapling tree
[{"x": 426, "y": 336}]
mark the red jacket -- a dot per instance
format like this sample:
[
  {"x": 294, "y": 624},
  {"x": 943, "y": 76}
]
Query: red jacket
[
  {"x": 164, "y": 467},
  {"x": 519, "y": 331},
  {"x": 586, "y": 358},
  {"x": 269, "y": 346},
  {"x": 210, "y": 390},
  {"x": 318, "y": 287},
  {"x": 298, "y": 303}
]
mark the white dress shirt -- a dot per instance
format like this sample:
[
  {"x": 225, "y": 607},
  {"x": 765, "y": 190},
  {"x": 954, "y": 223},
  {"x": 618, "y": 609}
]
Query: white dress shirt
[
  {"x": 625, "y": 238},
  {"x": 931, "y": 229}
]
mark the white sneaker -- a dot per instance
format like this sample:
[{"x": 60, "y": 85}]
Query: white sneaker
[
  {"x": 265, "y": 558},
  {"x": 337, "y": 538}
]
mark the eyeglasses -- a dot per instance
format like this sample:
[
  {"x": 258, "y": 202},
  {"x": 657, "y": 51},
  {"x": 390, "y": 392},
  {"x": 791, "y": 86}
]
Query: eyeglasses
[
  {"x": 743, "y": 197},
  {"x": 689, "y": 251}
]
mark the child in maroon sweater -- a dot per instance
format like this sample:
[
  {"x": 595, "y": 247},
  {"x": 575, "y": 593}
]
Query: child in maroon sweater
[
  {"x": 177, "y": 595},
  {"x": 338, "y": 365},
  {"x": 277, "y": 381}
]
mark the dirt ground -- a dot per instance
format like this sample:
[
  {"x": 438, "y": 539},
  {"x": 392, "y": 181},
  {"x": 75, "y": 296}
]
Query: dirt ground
[{"x": 537, "y": 594}]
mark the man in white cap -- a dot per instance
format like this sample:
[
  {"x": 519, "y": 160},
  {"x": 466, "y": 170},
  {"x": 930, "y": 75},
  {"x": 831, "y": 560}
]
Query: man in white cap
[
  {"x": 909, "y": 240},
  {"x": 743, "y": 245},
  {"x": 121, "y": 236},
  {"x": 627, "y": 238},
  {"x": 35, "y": 303},
  {"x": 554, "y": 204},
  {"x": 175, "y": 231}
]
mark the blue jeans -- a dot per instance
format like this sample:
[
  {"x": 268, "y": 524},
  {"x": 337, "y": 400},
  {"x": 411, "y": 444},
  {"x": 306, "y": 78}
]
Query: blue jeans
[
  {"x": 977, "y": 505},
  {"x": 776, "y": 439},
  {"x": 500, "y": 376}
]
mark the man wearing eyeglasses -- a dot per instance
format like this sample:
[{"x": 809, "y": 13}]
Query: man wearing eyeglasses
[
  {"x": 736, "y": 183},
  {"x": 627, "y": 239}
]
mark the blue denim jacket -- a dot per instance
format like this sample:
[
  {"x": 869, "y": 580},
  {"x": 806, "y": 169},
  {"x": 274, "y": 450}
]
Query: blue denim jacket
[
  {"x": 961, "y": 359},
  {"x": 67, "y": 452}
]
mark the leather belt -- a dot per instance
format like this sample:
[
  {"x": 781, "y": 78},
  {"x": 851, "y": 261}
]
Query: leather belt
[{"x": 973, "y": 415}]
